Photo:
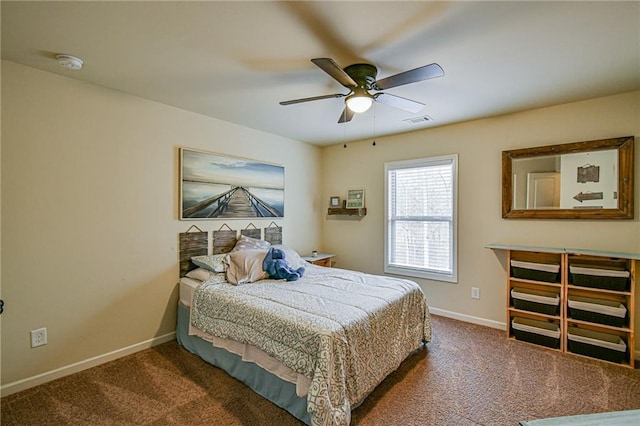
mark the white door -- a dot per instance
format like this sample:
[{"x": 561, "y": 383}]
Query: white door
[{"x": 543, "y": 190}]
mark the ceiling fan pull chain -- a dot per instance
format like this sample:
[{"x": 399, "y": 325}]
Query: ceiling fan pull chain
[
  {"x": 374, "y": 126},
  {"x": 344, "y": 129}
]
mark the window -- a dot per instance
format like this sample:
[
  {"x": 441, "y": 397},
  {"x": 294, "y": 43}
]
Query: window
[{"x": 421, "y": 218}]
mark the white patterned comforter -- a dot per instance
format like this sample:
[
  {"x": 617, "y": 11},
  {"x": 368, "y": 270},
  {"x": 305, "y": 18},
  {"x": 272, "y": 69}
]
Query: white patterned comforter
[{"x": 344, "y": 330}]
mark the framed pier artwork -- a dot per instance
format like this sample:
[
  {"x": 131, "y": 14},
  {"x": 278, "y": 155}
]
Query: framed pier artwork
[{"x": 215, "y": 186}]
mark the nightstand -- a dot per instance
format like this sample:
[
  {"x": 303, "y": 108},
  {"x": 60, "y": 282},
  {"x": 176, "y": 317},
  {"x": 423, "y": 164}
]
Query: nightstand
[{"x": 322, "y": 259}]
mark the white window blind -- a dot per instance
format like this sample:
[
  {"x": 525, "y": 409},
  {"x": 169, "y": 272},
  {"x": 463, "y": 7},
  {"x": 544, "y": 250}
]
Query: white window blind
[{"x": 421, "y": 218}]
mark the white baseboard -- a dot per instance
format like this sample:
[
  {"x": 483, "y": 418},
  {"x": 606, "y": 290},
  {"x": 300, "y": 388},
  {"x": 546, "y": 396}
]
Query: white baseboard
[
  {"x": 483, "y": 321},
  {"x": 48, "y": 376},
  {"x": 468, "y": 318}
]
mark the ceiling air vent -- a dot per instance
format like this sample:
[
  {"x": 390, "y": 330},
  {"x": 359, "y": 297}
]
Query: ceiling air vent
[{"x": 418, "y": 120}]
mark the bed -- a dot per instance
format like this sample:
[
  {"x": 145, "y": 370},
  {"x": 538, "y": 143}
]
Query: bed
[{"x": 317, "y": 346}]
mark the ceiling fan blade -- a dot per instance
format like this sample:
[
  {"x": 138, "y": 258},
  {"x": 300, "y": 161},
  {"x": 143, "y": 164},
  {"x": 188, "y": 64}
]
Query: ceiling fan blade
[
  {"x": 412, "y": 76},
  {"x": 329, "y": 66},
  {"x": 399, "y": 102},
  {"x": 313, "y": 98},
  {"x": 346, "y": 115}
]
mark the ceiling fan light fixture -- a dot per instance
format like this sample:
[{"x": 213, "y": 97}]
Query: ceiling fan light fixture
[
  {"x": 359, "y": 102},
  {"x": 361, "y": 78}
]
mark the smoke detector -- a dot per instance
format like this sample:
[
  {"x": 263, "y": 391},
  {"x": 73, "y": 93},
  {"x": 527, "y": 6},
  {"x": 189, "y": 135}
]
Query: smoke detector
[{"x": 69, "y": 62}]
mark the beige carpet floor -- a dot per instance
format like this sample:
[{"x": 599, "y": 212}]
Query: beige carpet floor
[{"x": 468, "y": 375}]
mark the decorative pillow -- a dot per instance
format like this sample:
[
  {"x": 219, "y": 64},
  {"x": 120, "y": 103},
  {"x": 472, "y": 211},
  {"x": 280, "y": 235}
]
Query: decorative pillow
[
  {"x": 291, "y": 256},
  {"x": 218, "y": 278},
  {"x": 212, "y": 262},
  {"x": 248, "y": 243},
  {"x": 245, "y": 266}
]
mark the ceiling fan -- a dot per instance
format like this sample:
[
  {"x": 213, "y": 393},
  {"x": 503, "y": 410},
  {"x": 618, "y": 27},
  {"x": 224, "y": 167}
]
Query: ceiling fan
[{"x": 360, "y": 79}]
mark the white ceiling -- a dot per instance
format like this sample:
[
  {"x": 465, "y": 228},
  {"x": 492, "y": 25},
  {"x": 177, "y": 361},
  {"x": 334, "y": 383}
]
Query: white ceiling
[{"x": 236, "y": 60}]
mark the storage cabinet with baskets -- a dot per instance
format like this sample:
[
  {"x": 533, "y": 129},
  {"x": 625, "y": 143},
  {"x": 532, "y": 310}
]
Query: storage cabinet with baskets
[
  {"x": 573, "y": 300},
  {"x": 535, "y": 298},
  {"x": 600, "y": 294}
]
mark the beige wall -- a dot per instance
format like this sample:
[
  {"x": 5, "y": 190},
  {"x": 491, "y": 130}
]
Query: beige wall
[
  {"x": 89, "y": 209},
  {"x": 360, "y": 244},
  {"x": 89, "y": 214}
]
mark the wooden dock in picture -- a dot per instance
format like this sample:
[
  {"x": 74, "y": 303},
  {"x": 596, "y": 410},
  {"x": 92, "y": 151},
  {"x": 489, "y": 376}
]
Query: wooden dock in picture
[{"x": 236, "y": 203}]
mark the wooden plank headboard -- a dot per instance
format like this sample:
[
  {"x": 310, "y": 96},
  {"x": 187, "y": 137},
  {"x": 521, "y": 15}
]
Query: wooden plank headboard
[
  {"x": 223, "y": 241},
  {"x": 273, "y": 234},
  {"x": 192, "y": 244},
  {"x": 252, "y": 232}
]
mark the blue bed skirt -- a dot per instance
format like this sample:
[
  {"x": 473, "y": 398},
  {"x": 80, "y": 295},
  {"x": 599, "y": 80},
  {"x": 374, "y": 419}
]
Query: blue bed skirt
[{"x": 271, "y": 387}]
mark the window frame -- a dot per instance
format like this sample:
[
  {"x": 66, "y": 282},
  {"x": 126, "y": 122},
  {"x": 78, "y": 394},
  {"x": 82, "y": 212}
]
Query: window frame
[{"x": 431, "y": 274}]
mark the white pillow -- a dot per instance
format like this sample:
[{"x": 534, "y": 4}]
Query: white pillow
[
  {"x": 248, "y": 243},
  {"x": 200, "y": 274},
  {"x": 211, "y": 262},
  {"x": 291, "y": 256}
]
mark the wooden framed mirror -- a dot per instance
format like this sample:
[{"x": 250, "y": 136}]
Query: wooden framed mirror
[{"x": 580, "y": 180}]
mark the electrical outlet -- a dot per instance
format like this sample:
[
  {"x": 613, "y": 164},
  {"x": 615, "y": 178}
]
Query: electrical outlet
[
  {"x": 475, "y": 293},
  {"x": 38, "y": 337}
]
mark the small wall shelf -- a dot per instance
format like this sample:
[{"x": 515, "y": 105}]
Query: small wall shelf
[{"x": 347, "y": 212}]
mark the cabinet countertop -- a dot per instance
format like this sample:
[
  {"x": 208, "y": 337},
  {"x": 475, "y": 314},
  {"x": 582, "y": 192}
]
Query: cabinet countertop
[{"x": 624, "y": 255}]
